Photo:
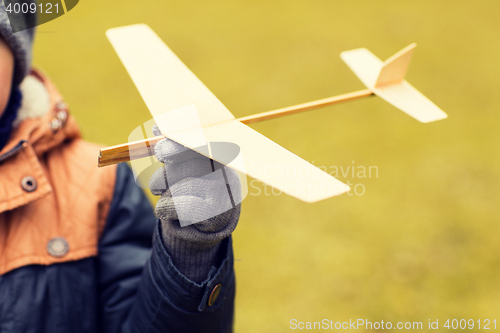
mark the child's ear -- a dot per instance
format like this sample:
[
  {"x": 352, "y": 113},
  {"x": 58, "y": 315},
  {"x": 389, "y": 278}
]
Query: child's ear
[{"x": 6, "y": 74}]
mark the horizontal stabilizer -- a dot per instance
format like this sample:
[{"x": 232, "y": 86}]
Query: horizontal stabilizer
[
  {"x": 364, "y": 64},
  {"x": 409, "y": 100}
]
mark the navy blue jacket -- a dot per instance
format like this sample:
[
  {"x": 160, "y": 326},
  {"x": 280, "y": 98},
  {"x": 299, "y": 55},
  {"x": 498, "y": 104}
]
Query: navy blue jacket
[{"x": 130, "y": 286}]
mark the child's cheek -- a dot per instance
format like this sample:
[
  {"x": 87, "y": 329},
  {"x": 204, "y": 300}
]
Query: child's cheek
[
  {"x": 6, "y": 71},
  {"x": 4, "y": 96}
]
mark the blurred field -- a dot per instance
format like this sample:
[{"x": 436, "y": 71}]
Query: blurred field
[{"x": 422, "y": 242}]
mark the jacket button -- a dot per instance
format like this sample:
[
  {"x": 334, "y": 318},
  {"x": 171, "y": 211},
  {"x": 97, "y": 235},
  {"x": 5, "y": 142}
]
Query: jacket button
[
  {"x": 62, "y": 115},
  {"x": 57, "y": 247},
  {"x": 28, "y": 184},
  {"x": 55, "y": 124},
  {"x": 215, "y": 293}
]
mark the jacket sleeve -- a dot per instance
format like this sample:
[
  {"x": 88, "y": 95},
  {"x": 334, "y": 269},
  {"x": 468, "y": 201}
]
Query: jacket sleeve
[{"x": 140, "y": 289}]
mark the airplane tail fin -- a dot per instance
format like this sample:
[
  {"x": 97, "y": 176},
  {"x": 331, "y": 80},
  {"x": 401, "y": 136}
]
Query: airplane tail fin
[{"x": 394, "y": 69}]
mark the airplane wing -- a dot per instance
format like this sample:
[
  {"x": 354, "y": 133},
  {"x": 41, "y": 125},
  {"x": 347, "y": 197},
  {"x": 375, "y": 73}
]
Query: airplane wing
[
  {"x": 163, "y": 81},
  {"x": 386, "y": 80},
  {"x": 267, "y": 161},
  {"x": 188, "y": 113}
]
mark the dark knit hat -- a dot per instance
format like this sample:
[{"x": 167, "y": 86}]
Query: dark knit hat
[{"x": 19, "y": 42}]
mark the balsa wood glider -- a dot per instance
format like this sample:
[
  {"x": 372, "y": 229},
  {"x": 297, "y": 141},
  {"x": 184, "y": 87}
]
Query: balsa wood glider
[{"x": 168, "y": 86}]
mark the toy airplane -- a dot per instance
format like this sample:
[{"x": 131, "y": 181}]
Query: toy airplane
[{"x": 167, "y": 85}]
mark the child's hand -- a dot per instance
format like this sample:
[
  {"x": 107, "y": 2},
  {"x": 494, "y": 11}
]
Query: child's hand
[
  {"x": 191, "y": 191},
  {"x": 201, "y": 199}
]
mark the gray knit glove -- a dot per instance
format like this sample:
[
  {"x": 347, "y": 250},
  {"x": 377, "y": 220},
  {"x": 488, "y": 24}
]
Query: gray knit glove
[{"x": 201, "y": 199}]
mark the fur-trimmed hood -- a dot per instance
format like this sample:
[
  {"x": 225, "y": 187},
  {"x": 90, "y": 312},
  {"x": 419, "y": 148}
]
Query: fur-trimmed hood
[{"x": 43, "y": 119}]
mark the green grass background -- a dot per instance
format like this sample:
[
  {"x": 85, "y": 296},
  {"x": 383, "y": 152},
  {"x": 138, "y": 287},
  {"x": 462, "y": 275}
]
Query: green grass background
[{"x": 422, "y": 242}]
